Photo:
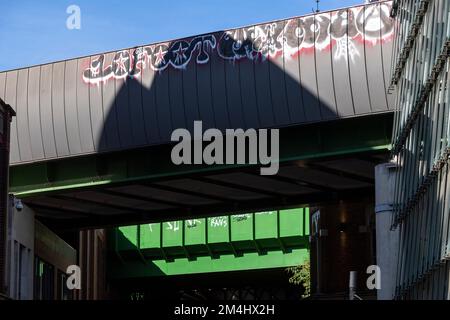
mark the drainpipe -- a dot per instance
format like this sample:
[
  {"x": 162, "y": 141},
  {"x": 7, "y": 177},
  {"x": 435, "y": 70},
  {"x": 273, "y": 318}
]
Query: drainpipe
[{"x": 386, "y": 239}]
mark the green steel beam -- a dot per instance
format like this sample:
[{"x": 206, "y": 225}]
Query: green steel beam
[
  {"x": 258, "y": 240},
  {"x": 317, "y": 140},
  {"x": 207, "y": 264}
]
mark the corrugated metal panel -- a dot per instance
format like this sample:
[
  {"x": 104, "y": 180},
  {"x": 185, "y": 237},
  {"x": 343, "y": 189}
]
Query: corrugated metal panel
[
  {"x": 374, "y": 60},
  {"x": 357, "y": 55},
  {"x": 111, "y": 136},
  {"x": 277, "y": 80},
  {"x": 205, "y": 105},
  {"x": 218, "y": 91},
  {"x": 248, "y": 91},
  {"x": 11, "y": 99},
  {"x": 45, "y": 103},
  {"x": 163, "y": 107},
  {"x": 58, "y": 108},
  {"x": 323, "y": 60},
  {"x": 23, "y": 132},
  {"x": 84, "y": 112},
  {"x": 96, "y": 114},
  {"x": 292, "y": 72},
  {"x": 70, "y": 104},
  {"x": 341, "y": 76},
  {"x": 34, "y": 116},
  {"x": 300, "y": 70}
]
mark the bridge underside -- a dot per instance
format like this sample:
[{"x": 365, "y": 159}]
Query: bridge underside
[{"x": 319, "y": 163}]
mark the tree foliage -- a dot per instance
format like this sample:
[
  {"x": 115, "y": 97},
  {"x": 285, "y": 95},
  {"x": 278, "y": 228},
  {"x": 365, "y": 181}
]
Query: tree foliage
[{"x": 301, "y": 275}]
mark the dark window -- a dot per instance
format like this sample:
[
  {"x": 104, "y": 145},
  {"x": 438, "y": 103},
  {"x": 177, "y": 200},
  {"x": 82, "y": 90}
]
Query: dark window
[
  {"x": 63, "y": 292},
  {"x": 44, "y": 288}
]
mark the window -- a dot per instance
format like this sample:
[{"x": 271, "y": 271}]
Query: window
[
  {"x": 63, "y": 292},
  {"x": 44, "y": 288}
]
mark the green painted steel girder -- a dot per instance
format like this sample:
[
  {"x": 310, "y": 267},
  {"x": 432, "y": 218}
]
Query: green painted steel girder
[
  {"x": 206, "y": 264},
  {"x": 261, "y": 240},
  {"x": 317, "y": 140}
]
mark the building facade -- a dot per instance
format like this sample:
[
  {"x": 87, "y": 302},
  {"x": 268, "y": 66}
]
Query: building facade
[
  {"x": 6, "y": 114},
  {"x": 420, "y": 150}
]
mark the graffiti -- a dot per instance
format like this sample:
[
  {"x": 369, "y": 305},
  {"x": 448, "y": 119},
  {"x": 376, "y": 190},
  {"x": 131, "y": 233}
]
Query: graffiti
[
  {"x": 158, "y": 57},
  {"x": 241, "y": 217},
  {"x": 192, "y": 223},
  {"x": 265, "y": 213},
  {"x": 218, "y": 221},
  {"x": 340, "y": 29},
  {"x": 173, "y": 225}
]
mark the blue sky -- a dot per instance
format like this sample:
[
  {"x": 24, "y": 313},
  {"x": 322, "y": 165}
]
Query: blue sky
[{"x": 34, "y": 32}]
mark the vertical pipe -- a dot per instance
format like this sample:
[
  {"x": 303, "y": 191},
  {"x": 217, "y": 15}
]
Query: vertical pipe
[{"x": 352, "y": 285}]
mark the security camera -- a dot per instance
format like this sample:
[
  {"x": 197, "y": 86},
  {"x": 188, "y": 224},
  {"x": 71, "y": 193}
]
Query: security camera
[{"x": 18, "y": 204}]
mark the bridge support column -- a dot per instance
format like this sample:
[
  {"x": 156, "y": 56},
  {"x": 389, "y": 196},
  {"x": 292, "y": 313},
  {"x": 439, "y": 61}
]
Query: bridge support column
[{"x": 387, "y": 240}]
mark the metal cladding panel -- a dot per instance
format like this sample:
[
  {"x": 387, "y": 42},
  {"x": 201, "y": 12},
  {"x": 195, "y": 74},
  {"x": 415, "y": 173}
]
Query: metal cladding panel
[
  {"x": 176, "y": 98},
  {"x": 34, "y": 116},
  {"x": 71, "y": 109},
  {"x": 386, "y": 55},
  {"x": 218, "y": 91},
  {"x": 277, "y": 79},
  {"x": 324, "y": 71},
  {"x": 84, "y": 112},
  {"x": 110, "y": 137},
  {"x": 357, "y": 64},
  {"x": 148, "y": 107},
  {"x": 120, "y": 63},
  {"x": 135, "y": 102},
  {"x": 292, "y": 72},
  {"x": 234, "y": 94},
  {"x": 23, "y": 134},
  {"x": 48, "y": 136},
  {"x": 248, "y": 91},
  {"x": 163, "y": 106},
  {"x": 341, "y": 74},
  {"x": 262, "y": 85},
  {"x": 308, "y": 72},
  {"x": 306, "y": 69},
  {"x": 96, "y": 114},
  {"x": 59, "y": 114},
  {"x": 374, "y": 59},
  {"x": 190, "y": 94},
  {"x": 11, "y": 99},
  {"x": 205, "y": 104}
]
